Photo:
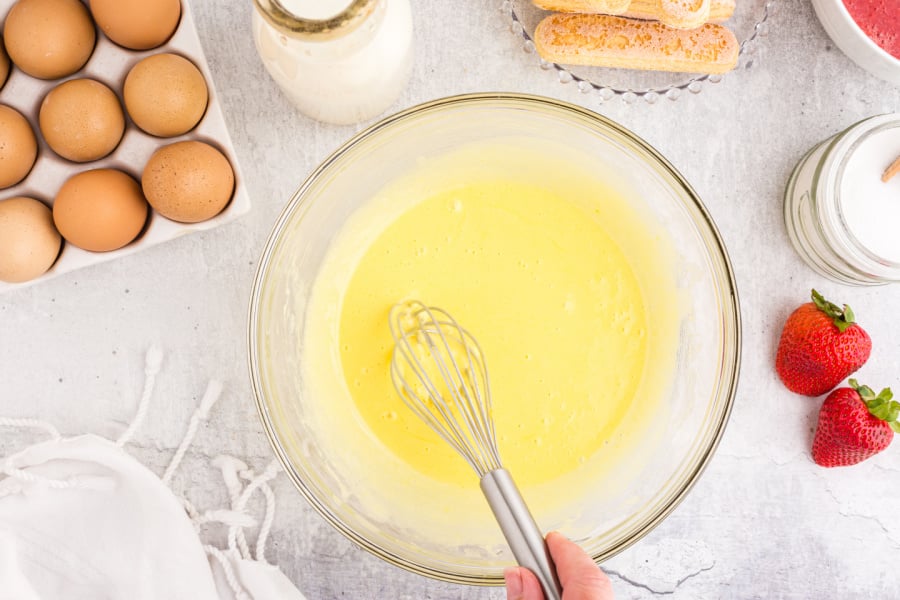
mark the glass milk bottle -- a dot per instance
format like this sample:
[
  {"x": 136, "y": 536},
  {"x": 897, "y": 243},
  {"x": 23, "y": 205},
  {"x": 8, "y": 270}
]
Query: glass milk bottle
[
  {"x": 842, "y": 204},
  {"x": 339, "y": 61}
]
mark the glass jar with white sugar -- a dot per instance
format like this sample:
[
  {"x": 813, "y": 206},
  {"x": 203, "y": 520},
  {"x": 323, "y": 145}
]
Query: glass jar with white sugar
[
  {"x": 339, "y": 61},
  {"x": 842, "y": 204}
]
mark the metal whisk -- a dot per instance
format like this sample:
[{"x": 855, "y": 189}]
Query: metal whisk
[{"x": 439, "y": 371}]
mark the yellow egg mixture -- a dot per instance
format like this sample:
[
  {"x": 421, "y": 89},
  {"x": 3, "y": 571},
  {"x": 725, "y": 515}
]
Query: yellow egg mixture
[
  {"x": 564, "y": 287},
  {"x": 548, "y": 295}
]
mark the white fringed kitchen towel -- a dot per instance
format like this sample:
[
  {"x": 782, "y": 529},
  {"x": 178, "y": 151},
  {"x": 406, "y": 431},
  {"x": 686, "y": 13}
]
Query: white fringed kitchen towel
[{"x": 81, "y": 519}]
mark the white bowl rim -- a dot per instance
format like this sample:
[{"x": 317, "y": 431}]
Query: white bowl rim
[{"x": 838, "y": 9}]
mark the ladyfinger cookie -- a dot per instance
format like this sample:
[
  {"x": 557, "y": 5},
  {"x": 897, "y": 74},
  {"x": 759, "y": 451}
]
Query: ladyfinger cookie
[
  {"x": 606, "y": 7},
  {"x": 683, "y": 14},
  {"x": 606, "y": 41},
  {"x": 649, "y": 10}
]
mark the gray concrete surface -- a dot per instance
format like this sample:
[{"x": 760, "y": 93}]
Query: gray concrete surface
[{"x": 763, "y": 522}]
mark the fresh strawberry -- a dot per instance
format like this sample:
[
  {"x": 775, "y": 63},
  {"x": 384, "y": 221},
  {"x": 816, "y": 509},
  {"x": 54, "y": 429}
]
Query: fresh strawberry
[
  {"x": 854, "y": 424},
  {"x": 820, "y": 346}
]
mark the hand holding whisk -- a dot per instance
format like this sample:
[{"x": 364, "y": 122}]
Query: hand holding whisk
[{"x": 440, "y": 373}]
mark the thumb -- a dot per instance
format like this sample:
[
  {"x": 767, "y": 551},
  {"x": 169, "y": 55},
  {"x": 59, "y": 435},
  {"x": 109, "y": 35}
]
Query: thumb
[
  {"x": 580, "y": 578},
  {"x": 521, "y": 584}
]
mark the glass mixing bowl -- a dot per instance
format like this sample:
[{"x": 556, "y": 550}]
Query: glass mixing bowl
[{"x": 605, "y": 515}]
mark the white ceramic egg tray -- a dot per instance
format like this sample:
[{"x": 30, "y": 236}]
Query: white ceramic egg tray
[{"x": 110, "y": 64}]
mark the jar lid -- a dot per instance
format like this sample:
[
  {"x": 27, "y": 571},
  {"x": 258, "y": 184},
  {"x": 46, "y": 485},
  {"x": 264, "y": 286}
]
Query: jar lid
[{"x": 287, "y": 22}]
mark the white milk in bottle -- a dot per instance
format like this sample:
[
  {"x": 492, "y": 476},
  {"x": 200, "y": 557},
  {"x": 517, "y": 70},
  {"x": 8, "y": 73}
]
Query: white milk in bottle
[{"x": 339, "y": 61}]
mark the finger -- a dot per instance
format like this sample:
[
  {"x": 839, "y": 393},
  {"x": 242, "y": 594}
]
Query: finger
[
  {"x": 571, "y": 561},
  {"x": 521, "y": 584},
  {"x": 580, "y": 578}
]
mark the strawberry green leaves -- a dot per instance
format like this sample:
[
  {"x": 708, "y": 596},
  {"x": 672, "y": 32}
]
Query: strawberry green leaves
[
  {"x": 881, "y": 406},
  {"x": 841, "y": 317}
]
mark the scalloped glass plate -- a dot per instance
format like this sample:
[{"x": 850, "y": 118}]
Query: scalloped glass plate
[{"x": 749, "y": 23}]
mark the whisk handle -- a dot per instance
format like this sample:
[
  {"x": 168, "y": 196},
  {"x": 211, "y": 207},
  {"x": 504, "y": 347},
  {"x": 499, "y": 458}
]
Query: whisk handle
[{"x": 521, "y": 532}]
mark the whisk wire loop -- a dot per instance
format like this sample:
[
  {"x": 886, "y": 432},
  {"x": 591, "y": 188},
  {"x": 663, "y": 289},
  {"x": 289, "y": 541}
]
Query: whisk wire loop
[
  {"x": 469, "y": 398},
  {"x": 406, "y": 392},
  {"x": 416, "y": 401},
  {"x": 455, "y": 400}
]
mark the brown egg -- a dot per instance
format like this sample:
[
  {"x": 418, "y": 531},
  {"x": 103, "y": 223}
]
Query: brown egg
[
  {"x": 18, "y": 147},
  {"x": 49, "y": 39},
  {"x": 82, "y": 120},
  {"x": 165, "y": 95},
  {"x": 29, "y": 243},
  {"x": 4, "y": 64},
  {"x": 100, "y": 210},
  {"x": 137, "y": 24},
  {"x": 188, "y": 181}
]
